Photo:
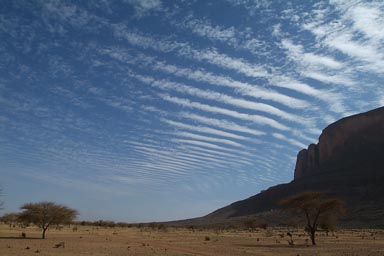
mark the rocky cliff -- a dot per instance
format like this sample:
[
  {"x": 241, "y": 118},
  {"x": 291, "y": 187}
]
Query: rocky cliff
[{"x": 348, "y": 143}]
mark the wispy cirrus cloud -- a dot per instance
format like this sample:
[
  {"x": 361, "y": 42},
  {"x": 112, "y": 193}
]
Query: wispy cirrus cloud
[
  {"x": 290, "y": 140},
  {"x": 252, "y": 6},
  {"x": 145, "y": 7},
  {"x": 205, "y": 29},
  {"x": 224, "y": 61},
  {"x": 204, "y": 129},
  {"x": 204, "y": 144},
  {"x": 208, "y": 138},
  {"x": 239, "y": 40},
  {"x": 242, "y": 88},
  {"x": 258, "y": 119},
  {"x": 321, "y": 68},
  {"x": 297, "y": 53},
  {"x": 223, "y": 124},
  {"x": 220, "y": 97},
  {"x": 365, "y": 18}
]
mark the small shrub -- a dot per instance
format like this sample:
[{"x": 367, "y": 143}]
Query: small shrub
[
  {"x": 269, "y": 233},
  {"x": 290, "y": 241},
  {"x": 162, "y": 227},
  {"x": 252, "y": 224}
]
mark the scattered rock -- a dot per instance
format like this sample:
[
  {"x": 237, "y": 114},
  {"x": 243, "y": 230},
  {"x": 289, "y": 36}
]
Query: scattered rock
[{"x": 60, "y": 244}]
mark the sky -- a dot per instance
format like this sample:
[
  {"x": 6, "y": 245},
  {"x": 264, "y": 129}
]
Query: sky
[{"x": 153, "y": 110}]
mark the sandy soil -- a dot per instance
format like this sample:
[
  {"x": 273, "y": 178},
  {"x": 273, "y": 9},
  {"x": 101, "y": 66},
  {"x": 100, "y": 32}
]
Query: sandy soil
[{"x": 134, "y": 241}]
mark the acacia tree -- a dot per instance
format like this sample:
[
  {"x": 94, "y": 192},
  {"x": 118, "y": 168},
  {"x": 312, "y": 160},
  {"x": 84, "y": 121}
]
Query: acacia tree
[
  {"x": 45, "y": 214},
  {"x": 315, "y": 206},
  {"x": 9, "y": 218}
]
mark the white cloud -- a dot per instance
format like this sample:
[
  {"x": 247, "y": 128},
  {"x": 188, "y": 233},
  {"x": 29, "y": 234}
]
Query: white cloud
[
  {"x": 220, "y": 97},
  {"x": 362, "y": 52},
  {"x": 325, "y": 69},
  {"x": 209, "y": 139},
  {"x": 147, "y": 42},
  {"x": 237, "y": 64},
  {"x": 296, "y": 52},
  {"x": 236, "y": 38},
  {"x": 204, "y": 129},
  {"x": 66, "y": 12},
  {"x": 340, "y": 34},
  {"x": 143, "y": 7},
  {"x": 205, "y": 29},
  {"x": 277, "y": 30},
  {"x": 130, "y": 180},
  {"x": 225, "y": 157},
  {"x": 325, "y": 61},
  {"x": 242, "y": 88},
  {"x": 260, "y": 120},
  {"x": 290, "y": 140},
  {"x": 252, "y": 6},
  {"x": 290, "y": 83},
  {"x": 330, "y": 79},
  {"x": 367, "y": 18},
  {"x": 203, "y": 144},
  {"x": 223, "y": 124}
]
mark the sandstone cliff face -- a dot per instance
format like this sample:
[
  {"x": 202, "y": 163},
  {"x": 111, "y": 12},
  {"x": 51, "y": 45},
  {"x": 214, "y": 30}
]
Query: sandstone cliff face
[{"x": 351, "y": 141}]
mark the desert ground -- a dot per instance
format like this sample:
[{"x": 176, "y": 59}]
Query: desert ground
[{"x": 145, "y": 241}]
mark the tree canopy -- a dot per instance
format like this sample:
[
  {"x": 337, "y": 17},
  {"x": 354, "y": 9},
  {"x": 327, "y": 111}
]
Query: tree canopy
[
  {"x": 315, "y": 206},
  {"x": 9, "y": 218},
  {"x": 45, "y": 214}
]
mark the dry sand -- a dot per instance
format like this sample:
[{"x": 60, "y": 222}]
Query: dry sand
[{"x": 134, "y": 241}]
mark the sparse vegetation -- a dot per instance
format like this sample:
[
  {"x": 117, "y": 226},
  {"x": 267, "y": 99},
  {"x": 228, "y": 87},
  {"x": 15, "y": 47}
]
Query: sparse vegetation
[{"x": 93, "y": 240}]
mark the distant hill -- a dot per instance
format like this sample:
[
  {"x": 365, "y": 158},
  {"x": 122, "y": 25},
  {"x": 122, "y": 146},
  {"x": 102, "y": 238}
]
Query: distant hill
[{"x": 347, "y": 162}]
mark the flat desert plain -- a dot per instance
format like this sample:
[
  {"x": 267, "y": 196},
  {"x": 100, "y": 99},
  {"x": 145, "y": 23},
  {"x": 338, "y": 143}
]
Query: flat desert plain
[{"x": 145, "y": 241}]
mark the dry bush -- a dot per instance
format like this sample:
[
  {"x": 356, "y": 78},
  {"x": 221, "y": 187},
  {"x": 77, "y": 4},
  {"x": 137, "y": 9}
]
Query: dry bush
[{"x": 252, "y": 224}]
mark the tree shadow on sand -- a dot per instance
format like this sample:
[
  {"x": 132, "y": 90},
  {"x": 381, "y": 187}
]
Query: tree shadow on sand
[
  {"x": 271, "y": 246},
  {"x": 18, "y": 238}
]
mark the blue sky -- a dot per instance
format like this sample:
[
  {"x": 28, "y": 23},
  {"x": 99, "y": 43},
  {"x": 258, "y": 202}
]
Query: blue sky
[{"x": 149, "y": 110}]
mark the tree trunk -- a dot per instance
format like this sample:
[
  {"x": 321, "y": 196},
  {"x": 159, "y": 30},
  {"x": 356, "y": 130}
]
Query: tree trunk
[
  {"x": 312, "y": 235},
  {"x": 43, "y": 235}
]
